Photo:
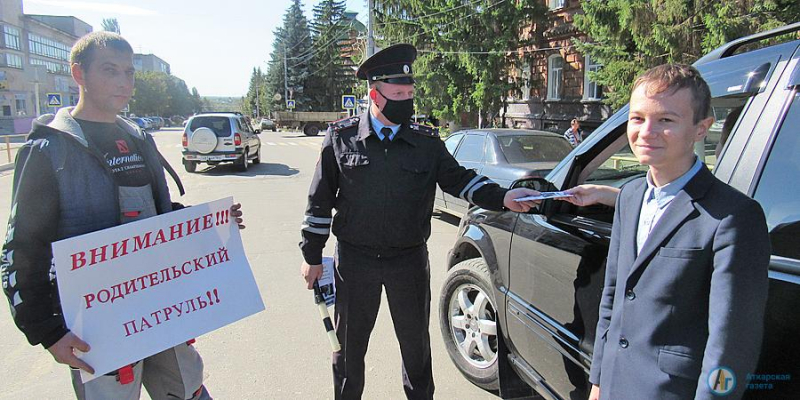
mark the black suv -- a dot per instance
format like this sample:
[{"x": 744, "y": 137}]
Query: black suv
[{"x": 519, "y": 307}]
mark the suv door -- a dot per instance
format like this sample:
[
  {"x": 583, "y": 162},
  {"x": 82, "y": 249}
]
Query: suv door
[
  {"x": 558, "y": 256},
  {"x": 470, "y": 155}
]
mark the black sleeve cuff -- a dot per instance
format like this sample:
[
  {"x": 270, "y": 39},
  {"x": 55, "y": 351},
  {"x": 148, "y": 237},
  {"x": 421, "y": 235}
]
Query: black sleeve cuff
[{"x": 53, "y": 336}]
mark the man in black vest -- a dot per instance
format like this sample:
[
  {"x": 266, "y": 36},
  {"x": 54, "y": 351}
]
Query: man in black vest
[{"x": 380, "y": 171}]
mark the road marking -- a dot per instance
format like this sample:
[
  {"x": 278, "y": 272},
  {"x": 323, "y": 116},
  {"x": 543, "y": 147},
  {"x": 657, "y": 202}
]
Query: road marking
[
  {"x": 272, "y": 144},
  {"x": 292, "y": 144},
  {"x": 282, "y": 144}
]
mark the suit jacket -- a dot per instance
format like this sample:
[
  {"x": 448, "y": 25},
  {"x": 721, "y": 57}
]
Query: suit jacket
[{"x": 692, "y": 301}]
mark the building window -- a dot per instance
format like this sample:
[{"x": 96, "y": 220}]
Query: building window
[
  {"x": 43, "y": 46},
  {"x": 6, "y": 111},
  {"x": 21, "y": 110},
  {"x": 591, "y": 90},
  {"x": 13, "y": 60},
  {"x": 556, "y": 4},
  {"x": 555, "y": 76},
  {"x": 52, "y": 67},
  {"x": 11, "y": 36}
]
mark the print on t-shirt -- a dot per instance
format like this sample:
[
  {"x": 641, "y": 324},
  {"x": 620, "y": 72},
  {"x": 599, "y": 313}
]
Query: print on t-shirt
[{"x": 120, "y": 151}]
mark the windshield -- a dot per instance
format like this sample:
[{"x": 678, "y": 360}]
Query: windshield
[
  {"x": 533, "y": 148},
  {"x": 220, "y": 125}
]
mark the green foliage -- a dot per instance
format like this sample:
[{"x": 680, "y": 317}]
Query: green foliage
[
  {"x": 110, "y": 25},
  {"x": 156, "y": 93},
  {"x": 257, "y": 102},
  {"x": 466, "y": 50},
  {"x": 630, "y": 36}
]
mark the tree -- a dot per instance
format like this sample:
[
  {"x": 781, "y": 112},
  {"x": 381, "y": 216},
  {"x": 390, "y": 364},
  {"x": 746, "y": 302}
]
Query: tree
[
  {"x": 197, "y": 102},
  {"x": 110, "y": 25},
  {"x": 292, "y": 44},
  {"x": 257, "y": 100},
  {"x": 466, "y": 51},
  {"x": 332, "y": 74},
  {"x": 630, "y": 36},
  {"x": 150, "y": 95}
]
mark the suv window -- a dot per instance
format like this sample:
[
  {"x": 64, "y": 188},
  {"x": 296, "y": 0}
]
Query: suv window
[
  {"x": 622, "y": 166},
  {"x": 472, "y": 149},
  {"x": 778, "y": 197},
  {"x": 220, "y": 125}
]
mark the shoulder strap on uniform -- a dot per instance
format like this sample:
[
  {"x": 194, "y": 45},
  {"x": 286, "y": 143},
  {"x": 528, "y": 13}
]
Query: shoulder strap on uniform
[
  {"x": 345, "y": 123},
  {"x": 424, "y": 130}
]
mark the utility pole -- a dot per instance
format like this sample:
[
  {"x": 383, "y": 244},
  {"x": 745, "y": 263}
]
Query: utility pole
[
  {"x": 285, "y": 75},
  {"x": 370, "y": 29}
]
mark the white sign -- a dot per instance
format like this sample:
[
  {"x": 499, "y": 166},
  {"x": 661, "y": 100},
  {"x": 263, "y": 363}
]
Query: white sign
[
  {"x": 134, "y": 290},
  {"x": 544, "y": 195}
]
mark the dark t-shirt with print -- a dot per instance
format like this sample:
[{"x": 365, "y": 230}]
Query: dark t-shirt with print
[{"x": 120, "y": 151}]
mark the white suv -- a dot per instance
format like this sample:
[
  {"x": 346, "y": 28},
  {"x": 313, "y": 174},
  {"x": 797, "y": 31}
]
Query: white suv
[{"x": 215, "y": 138}]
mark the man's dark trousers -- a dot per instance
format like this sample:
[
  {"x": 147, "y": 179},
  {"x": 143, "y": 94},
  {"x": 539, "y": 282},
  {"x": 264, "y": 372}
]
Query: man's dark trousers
[{"x": 361, "y": 274}]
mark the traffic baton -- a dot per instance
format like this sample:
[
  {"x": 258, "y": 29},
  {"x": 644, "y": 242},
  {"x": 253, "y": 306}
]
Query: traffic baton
[{"x": 326, "y": 318}]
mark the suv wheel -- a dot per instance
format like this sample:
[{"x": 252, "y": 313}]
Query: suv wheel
[
  {"x": 190, "y": 166},
  {"x": 241, "y": 162},
  {"x": 468, "y": 320}
]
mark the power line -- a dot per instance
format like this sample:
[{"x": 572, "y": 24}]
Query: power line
[{"x": 454, "y": 21}]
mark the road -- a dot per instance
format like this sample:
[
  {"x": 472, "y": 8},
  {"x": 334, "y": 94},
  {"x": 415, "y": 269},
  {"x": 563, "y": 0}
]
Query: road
[{"x": 282, "y": 352}]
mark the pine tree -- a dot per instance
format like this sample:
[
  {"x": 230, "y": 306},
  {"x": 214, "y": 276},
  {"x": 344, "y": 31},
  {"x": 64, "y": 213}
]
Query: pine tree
[
  {"x": 292, "y": 41},
  {"x": 257, "y": 100},
  {"x": 332, "y": 74},
  {"x": 629, "y": 36}
]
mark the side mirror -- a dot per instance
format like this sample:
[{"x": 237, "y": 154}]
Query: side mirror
[
  {"x": 538, "y": 184},
  {"x": 257, "y": 131}
]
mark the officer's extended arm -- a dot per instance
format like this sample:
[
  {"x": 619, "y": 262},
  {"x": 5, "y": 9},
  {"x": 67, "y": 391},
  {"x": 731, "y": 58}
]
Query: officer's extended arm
[{"x": 468, "y": 185}]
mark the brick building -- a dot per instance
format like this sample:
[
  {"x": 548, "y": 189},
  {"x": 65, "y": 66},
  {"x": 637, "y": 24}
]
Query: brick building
[{"x": 553, "y": 75}]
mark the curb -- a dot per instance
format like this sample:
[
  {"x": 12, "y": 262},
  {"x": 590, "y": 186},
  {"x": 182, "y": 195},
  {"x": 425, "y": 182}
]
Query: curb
[{"x": 6, "y": 167}]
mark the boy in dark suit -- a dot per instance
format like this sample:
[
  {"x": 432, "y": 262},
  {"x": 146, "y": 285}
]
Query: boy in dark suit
[{"x": 686, "y": 280}]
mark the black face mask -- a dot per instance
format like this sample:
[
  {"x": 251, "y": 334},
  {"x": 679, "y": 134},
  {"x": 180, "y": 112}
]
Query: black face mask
[{"x": 397, "y": 111}]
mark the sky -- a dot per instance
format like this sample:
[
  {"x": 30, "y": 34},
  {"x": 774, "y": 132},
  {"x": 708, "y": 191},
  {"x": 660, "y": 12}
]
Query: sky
[{"x": 213, "y": 45}]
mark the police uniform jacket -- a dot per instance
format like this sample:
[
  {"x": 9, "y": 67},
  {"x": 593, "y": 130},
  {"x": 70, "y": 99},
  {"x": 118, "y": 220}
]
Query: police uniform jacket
[{"x": 383, "y": 194}]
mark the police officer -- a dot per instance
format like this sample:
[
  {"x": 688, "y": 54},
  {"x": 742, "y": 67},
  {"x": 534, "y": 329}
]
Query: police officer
[{"x": 380, "y": 170}]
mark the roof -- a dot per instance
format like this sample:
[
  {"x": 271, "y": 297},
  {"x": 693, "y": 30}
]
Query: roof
[{"x": 512, "y": 132}]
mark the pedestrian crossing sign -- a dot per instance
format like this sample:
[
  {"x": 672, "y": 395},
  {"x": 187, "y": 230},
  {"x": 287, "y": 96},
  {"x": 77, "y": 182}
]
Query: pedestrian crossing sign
[
  {"x": 54, "y": 99},
  {"x": 290, "y": 104},
  {"x": 348, "y": 102}
]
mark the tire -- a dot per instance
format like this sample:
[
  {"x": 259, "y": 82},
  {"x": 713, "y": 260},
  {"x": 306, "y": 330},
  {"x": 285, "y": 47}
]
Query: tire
[
  {"x": 257, "y": 160},
  {"x": 466, "y": 297},
  {"x": 241, "y": 162},
  {"x": 311, "y": 129},
  {"x": 190, "y": 166},
  {"x": 274, "y": 129},
  {"x": 204, "y": 140}
]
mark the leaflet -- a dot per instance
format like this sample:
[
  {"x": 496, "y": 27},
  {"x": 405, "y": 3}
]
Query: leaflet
[{"x": 544, "y": 195}]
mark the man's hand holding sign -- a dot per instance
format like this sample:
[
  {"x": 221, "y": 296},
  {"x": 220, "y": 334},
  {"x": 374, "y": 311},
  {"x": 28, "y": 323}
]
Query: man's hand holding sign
[{"x": 139, "y": 288}]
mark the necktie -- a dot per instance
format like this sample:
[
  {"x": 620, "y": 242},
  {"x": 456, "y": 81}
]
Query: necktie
[{"x": 386, "y": 132}]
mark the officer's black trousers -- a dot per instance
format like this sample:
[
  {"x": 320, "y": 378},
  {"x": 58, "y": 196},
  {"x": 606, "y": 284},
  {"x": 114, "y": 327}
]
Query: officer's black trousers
[{"x": 359, "y": 279}]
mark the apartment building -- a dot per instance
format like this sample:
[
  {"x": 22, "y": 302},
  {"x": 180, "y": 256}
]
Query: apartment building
[{"x": 34, "y": 61}]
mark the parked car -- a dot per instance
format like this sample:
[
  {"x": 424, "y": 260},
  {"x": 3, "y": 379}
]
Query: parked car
[
  {"x": 143, "y": 123},
  {"x": 502, "y": 155},
  {"x": 158, "y": 122},
  {"x": 216, "y": 138},
  {"x": 519, "y": 306},
  {"x": 268, "y": 124}
]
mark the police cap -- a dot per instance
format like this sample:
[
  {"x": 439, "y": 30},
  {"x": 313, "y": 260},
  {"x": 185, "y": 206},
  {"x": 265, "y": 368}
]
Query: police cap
[{"x": 390, "y": 65}]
